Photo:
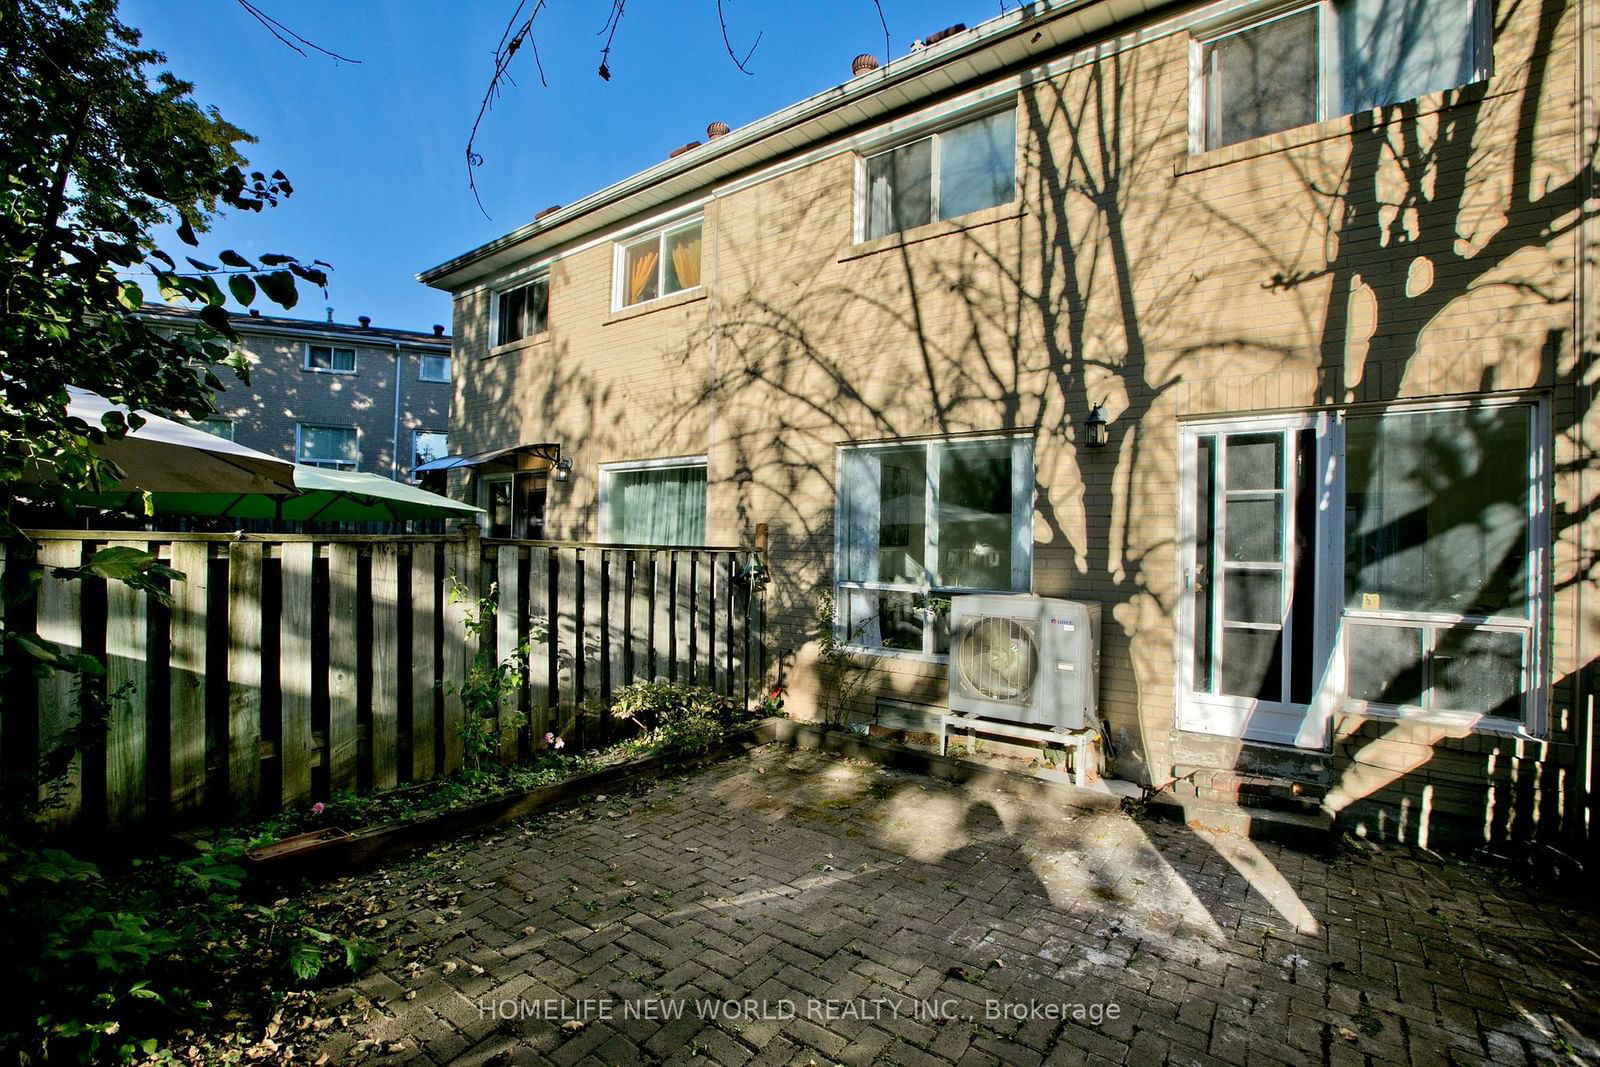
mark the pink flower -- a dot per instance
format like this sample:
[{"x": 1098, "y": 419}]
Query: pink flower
[
  {"x": 560, "y": 744},
  {"x": 549, "y": 738},
  {"x": 318, "y": 808}
]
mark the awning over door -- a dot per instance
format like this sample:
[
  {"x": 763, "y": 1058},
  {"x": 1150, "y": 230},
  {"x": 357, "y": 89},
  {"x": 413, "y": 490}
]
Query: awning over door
[{"x": 507, "y": 456}]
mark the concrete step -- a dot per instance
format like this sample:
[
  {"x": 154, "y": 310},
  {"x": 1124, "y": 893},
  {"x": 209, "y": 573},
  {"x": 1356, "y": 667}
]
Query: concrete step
[
  {"x": 1227, "y": 787},
  {"x": 1304, "y": 831}
]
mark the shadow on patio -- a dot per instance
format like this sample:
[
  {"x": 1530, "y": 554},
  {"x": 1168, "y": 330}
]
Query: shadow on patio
[{"x": 876, "y": 916}]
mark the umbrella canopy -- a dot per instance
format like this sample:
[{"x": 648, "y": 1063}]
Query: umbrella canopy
[
  {"x": 164, "y": 456},
  {"x": 321, "y": 496}
]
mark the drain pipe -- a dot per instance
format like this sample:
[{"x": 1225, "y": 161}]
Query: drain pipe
[{"x": 394, "y": 438}]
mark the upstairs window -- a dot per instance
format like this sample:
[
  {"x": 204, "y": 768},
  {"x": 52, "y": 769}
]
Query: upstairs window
[
  {"x": 434, "y": 368},
  {"x": 330, "y": 358},
  {"x": 661, "y": 264},
  {"x": 519, "y": 313},
  {"x": 335, "y": 447},
  {"x": 1334, "y": 57},
  {"x": 952, "y": 173}
]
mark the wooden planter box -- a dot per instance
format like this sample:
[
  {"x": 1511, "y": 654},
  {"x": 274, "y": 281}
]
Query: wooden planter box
[{"x": 335, "y": 855}]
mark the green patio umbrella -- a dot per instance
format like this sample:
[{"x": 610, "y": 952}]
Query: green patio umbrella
[{"x": 322, "y": 496}]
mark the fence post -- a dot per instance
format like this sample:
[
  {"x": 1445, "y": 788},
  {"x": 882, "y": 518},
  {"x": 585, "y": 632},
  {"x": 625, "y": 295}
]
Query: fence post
[
  {"x": 506, "y": 639},
  {"x": 297, "y": 562},
  {"x": 244, "y": 677},
  {"x": 539, "y": 652},
  {"x": 462, "y": 563},
  {"x": 59, "y": 620},
  {"x": 187, "y": 697},
  {"x": 424, "y": 669},
  {"x": 343, "y": 605},
  {"x": 385, "y": 586}
]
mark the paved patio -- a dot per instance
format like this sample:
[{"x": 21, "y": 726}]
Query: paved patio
[{"x": 794, "y": 908}]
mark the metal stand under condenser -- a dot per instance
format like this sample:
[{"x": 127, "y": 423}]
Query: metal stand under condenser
[{"x": 1078, "y": 741}]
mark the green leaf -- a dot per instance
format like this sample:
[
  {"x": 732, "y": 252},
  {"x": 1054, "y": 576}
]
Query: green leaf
[
  {"x": 243, "y": 289},
  {"x": 130, "y": 296},
  {"x": 201, "y": 265},
  {"x": 186, "y": 234},
  {"x": 234, "y": 259},
  {"x": 279, "y": 287}
]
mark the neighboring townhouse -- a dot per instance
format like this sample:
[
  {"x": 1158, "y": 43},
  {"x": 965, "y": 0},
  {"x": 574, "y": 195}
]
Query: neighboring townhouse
[
  {"x": 327, "y": 393},
  {"x": 1269, "y": 327}
]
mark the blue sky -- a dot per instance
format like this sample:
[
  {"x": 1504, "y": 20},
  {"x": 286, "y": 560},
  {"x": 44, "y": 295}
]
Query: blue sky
[{"x": 375, "y": 149}]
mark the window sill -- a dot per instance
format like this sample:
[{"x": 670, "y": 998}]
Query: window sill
[
  {"x": 904, "y": 654},
  {"x": 1464, "y": 723},
  {"x": 326, "y": 370},
  {"x": 513, "y": 347},
  {"x": 660, "y": 303},
  {"x": 935, "y": 230},
  {"x": 1334, "y": 128}
]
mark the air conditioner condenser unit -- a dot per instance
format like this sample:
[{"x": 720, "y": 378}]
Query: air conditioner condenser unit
[{"x": 1025, "y": 659}]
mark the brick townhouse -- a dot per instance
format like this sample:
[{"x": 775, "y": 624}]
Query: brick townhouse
[
  {"x": 328, "y": 393},
  {"x": 1268, "y": 327}
]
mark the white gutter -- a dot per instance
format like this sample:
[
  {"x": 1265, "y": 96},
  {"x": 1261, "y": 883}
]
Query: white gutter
[{"x": 754, "y": 142}]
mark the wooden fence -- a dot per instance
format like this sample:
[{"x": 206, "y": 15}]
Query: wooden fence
[{"x": 289, "y": 667}]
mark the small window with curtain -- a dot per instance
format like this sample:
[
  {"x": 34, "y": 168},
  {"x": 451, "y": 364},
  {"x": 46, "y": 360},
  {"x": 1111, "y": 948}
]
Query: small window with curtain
[
  {"x": 520, "y": 313},
  {"x": 334, "y": 447},
  {"x": 1333, "y": 57},
  {"x": 654, "y": 503},
  {"x": 659, "y": 265},
  {"x": 331, "y": 359},
  {"x": 952, "y": 173}
]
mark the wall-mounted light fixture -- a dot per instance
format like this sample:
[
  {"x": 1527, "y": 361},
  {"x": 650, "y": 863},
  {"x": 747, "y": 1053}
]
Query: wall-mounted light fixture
[
  {"x": 563, "y": 468},
  {"x": 1096, "y": 428}
]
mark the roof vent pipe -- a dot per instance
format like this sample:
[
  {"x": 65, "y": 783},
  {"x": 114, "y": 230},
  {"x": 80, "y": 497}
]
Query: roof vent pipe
[
  {"x": 365, "y": 321},
  {"x": 330, "y": 314},
  {"x": 717, "y": 129},
  {"x": 438, "y": 330},
  {"x": 864, "y": 62}
]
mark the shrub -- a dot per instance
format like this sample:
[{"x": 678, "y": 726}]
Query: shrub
[
  {"x": 675, "y": 719},
  {"x": 108, "y": 963}
]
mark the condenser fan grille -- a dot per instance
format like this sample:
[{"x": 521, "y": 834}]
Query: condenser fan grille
[{"x": 998, "y": 658}]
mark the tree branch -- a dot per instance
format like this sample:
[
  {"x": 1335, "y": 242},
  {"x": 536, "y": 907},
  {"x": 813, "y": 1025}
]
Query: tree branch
[{"x": 284, "y": 34}]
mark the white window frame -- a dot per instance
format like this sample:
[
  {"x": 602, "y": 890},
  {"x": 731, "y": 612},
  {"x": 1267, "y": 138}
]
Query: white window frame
[
  {"x": 1330, "y": 694},
  {"x": 332, "y": 350},
  {"x": 619, "y": 261},
  {"x": 328, "y": 464},
  {"x": 608, "y": 470},
  {"x": 422, "y": 367},
  {"x": 934, "y": 134},
  {"x": 541, "y": 274},
  {"x": 1024, "y": 480},
  {"x": 423, "y": 430},
  {"x": 1234, "y": 19}
]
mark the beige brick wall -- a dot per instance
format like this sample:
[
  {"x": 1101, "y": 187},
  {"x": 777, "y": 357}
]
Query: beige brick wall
[{"x": 1431, "y": 253}]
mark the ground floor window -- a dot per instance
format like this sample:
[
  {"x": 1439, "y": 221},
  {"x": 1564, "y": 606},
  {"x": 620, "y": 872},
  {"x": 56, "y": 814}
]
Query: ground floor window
[
  {"x": 654, "y": 502},
  {"x": 1384, "y": 560},
  {"x": 919, "y": 522},
  {"x": 335, "y": 447}
]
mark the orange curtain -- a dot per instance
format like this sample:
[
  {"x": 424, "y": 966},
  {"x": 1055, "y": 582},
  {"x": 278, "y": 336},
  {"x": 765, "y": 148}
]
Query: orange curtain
[
  {"x": 640, "y": 275},
  {"x": 686, "y": 261}
]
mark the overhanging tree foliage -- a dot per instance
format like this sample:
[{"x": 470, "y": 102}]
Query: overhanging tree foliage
[{"x": 99, "y": 148}]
